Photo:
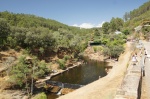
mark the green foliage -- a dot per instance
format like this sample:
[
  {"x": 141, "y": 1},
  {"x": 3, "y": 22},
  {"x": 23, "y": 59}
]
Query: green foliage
[
  {"x": 4, "y": 31},
  {"x": 137, "y": 16},
  {"x": 18, "y": 35},
  {"x": 113, "y": 51},
  {"x": 77, "y": 44},
  {"x": 126, "y": 32},
  {"x": 116, "y": 24},
  {"x": 141, "y": 10},
  {"x": 66, "y": 57},
  {"x": 62, "y": 38},
  {"x": 41, "y": 50},
  {"x": 106, "y": 51},
  {"x": 113, "y": 44},
  {"x": 40, "y": 68},
  {"x": 26, "y": 21},
  {"x": 146, "y": 32},
  {"x": 26, "y": 51},
  {"x": 97, "y": 41},
  {"x": 116, "y": 50},
  {"x": 40, "y": 96},
  {"x": 106, "y": 27},
  {"x": 25, "y": 70},
  {"x": 11, "y": 41},
  {"x": 39, "y": 37},
  {"x": 113, "y": 25},
  {"x": 98, "y": 48},
  {"x": 37, "y": 33},
  {"x": 61, "y": 63},
  {"x": 96, "y": 32},
  {"x": 4, "y": 28},
  {"x": 20, "y": 72},
  {"x": 105, "y": 41}
]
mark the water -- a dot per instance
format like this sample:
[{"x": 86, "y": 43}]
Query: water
[{"x": 84, "y": 74}]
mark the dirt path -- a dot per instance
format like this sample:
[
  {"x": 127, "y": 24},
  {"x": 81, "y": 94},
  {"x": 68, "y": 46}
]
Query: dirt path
[{"x": 105, "y": 87}]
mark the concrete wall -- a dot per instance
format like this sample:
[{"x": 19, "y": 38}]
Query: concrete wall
[{"x": 130, "y": 87}]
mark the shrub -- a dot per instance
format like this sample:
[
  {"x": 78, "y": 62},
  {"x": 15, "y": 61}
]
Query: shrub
[
  {"x": 97, "y": 48},
  {"x": 40, "y": 96},
  {"x": 126, "y": 32},
  {"x": 106, "y": 51},
  {"x": 97, "y": 41},
  {"x": 66, "y": 57},
  {"x": 26, "y": 51},
  {"x": 61, "y": 63}
]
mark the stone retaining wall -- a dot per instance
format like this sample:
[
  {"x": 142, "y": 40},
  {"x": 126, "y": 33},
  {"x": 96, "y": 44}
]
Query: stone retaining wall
[{"x": 131, "y": 85}]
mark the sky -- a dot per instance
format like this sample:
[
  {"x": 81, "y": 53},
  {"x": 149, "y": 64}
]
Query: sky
[{"x": 81, "y": 13}]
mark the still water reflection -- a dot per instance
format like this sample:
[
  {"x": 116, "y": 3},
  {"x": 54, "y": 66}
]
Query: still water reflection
[{"x": 84, "y": 74}]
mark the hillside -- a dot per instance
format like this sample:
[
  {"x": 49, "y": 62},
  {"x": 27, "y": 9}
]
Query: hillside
[
  {"x": 40, "y": 34},
  {"x": 30, "y": 43},
  {"x": 137, "y": 16},
  {"x": 30, "y": 21},
  {"x": 27, "y": 21},
  {"x": 45, "y": 45}
]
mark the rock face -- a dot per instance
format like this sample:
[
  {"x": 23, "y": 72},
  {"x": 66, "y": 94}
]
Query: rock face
[{"x": 91, "y": 54}]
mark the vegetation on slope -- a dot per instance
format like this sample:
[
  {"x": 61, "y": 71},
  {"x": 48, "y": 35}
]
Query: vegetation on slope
[
  {"x": 44, "y": 39},
  {"x": 137, "y": 16},
  {"x": 40, "y": 39}
]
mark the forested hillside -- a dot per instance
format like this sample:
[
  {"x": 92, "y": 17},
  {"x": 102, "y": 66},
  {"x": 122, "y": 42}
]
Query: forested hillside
[
  {"x": 137, "y": 16},
  {"x": 39, "y": 44},
  {"x": 46, "y": 45},
  {"x": 42, "y": 44},
  {"x": 28, "y": 21},
  {"x": 29, "y": 31}
]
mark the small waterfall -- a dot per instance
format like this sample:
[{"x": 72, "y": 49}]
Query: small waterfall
[
  {"x": 59, "y": 93},
  {"x": 62, "y": 86}
]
